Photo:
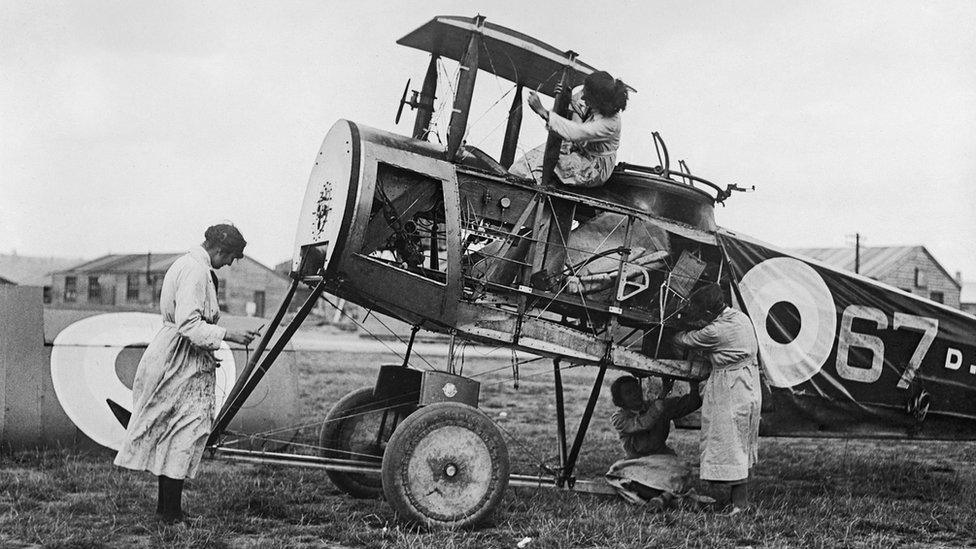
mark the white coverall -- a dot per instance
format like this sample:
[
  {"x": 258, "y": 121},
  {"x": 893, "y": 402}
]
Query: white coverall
[
  {"x": 173, "y": 390},
  {"x": 589, "y": 149},
  {"x": 732, "y": 396}
]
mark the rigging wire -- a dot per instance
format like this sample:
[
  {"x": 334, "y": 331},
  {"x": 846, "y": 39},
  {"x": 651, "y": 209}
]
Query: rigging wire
[
  {"x": 521, "y": 148},
  {"x": 374, "y": 336},
  {"x": 320, "y": 422},
  {"x": 435, "y": 123},
  {"x": 497, "y": 80},
  {"x": 263, "y": 436},
  {"x": 471, "y": 125}
]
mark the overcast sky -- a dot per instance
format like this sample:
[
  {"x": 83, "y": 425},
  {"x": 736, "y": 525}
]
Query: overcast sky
[{"x": 132, "y": 126}]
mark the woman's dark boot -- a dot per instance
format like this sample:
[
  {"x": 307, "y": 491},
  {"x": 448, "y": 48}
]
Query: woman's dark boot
[
  {"x": 169, "y": 509},
  {"x": 740, "y": 496}
]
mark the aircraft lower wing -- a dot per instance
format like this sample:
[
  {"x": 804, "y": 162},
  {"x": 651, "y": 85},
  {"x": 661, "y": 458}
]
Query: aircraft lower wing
[{"x": 844, "y": 355}]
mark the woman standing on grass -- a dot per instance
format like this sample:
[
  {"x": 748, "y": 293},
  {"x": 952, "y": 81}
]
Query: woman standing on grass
[
  {"x": 732, "y": 397},
  {"x": 173, "y": 390}
]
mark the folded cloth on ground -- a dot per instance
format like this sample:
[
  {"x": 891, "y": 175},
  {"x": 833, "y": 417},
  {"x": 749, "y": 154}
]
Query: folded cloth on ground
[{"x": 640, "y": 479}]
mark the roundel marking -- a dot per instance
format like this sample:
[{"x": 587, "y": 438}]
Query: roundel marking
[
  {"x": 795, "y": 318},
  {"x": 86, "y": 377}
]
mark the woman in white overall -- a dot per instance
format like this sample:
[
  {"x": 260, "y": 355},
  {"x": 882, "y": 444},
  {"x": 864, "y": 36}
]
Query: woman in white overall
[
  {"x": 732, "y": 397},
  {"x": 173, "y": 389},
  {"x": 591, "y": 135}
]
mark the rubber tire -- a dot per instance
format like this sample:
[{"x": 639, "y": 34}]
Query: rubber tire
[
  {"x": 426, "y": 426},
  {"x": 334, "y": 439}
]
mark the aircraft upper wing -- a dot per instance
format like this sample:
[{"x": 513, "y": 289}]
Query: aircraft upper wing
[{"x": 504, "y": 52}]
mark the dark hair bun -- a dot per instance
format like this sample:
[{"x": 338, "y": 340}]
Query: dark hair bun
[
  {"x": 605, "y": 93},
  {"x": 709, "y": 298},
  {"x": 224, "y": 237}
]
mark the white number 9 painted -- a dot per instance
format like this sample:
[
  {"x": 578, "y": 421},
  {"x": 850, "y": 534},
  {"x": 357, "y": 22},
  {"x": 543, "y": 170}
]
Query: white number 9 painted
[{"x": 84, "y": 374}]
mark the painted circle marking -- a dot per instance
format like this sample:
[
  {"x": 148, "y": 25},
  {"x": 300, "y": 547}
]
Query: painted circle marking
[
  {"x": 795, "y": 283},
  {"x": 84, "y": 375}
]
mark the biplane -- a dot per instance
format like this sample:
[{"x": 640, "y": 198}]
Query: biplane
[{"x": 439, "y": 234}]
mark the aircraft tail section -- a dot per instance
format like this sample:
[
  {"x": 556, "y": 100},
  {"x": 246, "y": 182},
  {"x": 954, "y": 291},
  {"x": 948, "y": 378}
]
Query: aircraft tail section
[{"x": 846, "y": 355}]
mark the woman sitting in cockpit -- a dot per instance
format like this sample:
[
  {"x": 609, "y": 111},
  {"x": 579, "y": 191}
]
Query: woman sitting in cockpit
[{"x": 591, "y": 135}]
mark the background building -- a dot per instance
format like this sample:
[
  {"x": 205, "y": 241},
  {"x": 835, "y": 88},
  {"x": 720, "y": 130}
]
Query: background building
[
  {"x": 133, "y": 282},
  {"x": 910, "y": 268},
  {"x": 26, "y": 270},
  {"x": 328, "y": 310},
  {"x": 967, "y": 298}
]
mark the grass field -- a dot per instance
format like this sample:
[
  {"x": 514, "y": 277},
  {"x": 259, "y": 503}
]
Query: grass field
[{"x": 809, "y": 493}]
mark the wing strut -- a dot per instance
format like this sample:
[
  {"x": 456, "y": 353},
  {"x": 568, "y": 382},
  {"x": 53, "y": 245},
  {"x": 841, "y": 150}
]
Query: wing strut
[
  {"x": 425, "y": 105},
  {"x": 252, "y": 373},
  {"x": 560, "y": 420},
  {"x": 465, "y": 89},
  {"x": 566, "y": 474},
  {"x": 512, "y": 129},
  {"x": 564, "y": 94}
]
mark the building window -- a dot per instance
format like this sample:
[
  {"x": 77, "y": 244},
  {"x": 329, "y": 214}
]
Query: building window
[
  {"x": 259, "y": 303},
  {"x": 70, "y": 289},
  {"x": 132, "y": 287},
  {"x": 94, "y": 290},
  {"x": 157, "y": 284},
  {"x": 47, "y": 294},
  {"x": 937, "y": 297},
  {"x": 919, "y": 278},
  {"x": 222, "y": 294}
]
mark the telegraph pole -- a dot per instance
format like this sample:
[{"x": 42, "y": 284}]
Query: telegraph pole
[{"x": 857, "y": 251}]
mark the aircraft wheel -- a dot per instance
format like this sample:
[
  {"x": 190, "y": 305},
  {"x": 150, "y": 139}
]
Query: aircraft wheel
[
  {"x": 446, "y": 465},
  {"x": 350, "y": 431}
]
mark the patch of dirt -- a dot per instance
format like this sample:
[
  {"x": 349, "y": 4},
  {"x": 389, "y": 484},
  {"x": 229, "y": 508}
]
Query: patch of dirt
[
  {"x": 10, "y": 543},
  {"x": 29, "y": 475},
  {"x": 301, "y": 542},
  {"x": 133, "y": 542}
]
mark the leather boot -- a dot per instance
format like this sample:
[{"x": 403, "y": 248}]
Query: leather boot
[
  {"x": 740, "y": 496},
  {"x": 170, "y": 506}
]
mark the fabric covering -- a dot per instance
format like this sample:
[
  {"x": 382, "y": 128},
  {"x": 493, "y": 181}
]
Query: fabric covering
[
  {"x": 173, "y": 389},
  {"x": 597, "y": 279},
  {"x": 664, "y": 472},
  {"x": 851, "y": 356},
  {"x": 589, "y": 148},
  {"x": 732, "y": 396}
]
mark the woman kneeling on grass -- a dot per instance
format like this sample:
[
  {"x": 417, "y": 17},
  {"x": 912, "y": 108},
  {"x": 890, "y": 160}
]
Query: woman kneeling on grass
[
  {"x": 173, "y": 390},
  {"x": 651, "y": 473},
  {"x": 732, "y": 397}
]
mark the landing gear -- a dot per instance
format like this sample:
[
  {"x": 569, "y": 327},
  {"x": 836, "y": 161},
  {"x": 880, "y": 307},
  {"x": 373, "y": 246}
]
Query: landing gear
[
  {"x": 418, "y": 439},
  {"x": 445, "y": 466},
  {"x": 357, "y": 428}
]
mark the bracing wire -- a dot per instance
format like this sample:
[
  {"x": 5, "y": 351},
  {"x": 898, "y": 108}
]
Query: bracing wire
[
  {"x": 435, "y": 123},
  {"x": 471, "y": 125},
  {"x": 397, "y": 399},
  {"x": 264, "y": 435},
  {"x": 566, "y": 283},
  {"x": 319, "y": 422},
  {"x": 497, "y": 81},
  {"x": 374, "y": 336}
]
